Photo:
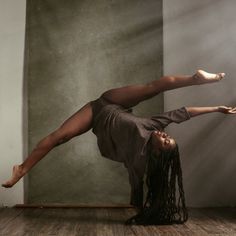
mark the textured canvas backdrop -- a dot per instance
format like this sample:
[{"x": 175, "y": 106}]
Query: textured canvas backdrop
[{"x": 75, "y": 51}]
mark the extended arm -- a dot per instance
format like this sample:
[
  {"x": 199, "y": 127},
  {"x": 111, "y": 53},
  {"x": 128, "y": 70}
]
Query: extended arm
[{"x": 195, "y": 111}]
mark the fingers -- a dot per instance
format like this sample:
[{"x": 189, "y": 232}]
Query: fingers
[
  {"x": 232, "y": 110},
  {"x": 228, "y": 110},
  {"x": 220, "y": 76}
]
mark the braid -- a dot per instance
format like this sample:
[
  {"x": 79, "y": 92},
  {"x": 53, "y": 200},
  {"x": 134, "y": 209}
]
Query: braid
[{"x": 162, "y": 206}]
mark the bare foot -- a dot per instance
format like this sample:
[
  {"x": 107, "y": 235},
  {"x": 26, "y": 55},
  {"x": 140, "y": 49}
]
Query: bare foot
[
  {"x": 205, "y": 77},
  {"x": 17, "y": 173}
]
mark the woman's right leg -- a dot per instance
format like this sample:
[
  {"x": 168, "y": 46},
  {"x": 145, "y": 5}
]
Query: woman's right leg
[
  {"x": 130, "y": 96},
  {"x": 77, "y": 124}
]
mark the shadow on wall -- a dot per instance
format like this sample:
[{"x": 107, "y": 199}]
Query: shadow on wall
[
  {"x": 208, "y": 162},
  {"x": 202, "y": 38},
  {"x": 202, "y": 35}
]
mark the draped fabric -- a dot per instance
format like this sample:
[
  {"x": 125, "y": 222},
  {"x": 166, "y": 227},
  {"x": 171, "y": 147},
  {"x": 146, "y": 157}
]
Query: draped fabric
[{"x": 124, "y": 137}]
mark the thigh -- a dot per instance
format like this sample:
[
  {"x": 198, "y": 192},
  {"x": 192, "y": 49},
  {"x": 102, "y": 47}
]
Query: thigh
[
  {"x": 79, "y": 123},
  {"x": 130, "y": 96}
]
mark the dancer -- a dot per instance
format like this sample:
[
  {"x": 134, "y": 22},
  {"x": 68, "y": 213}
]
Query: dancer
[{"x": 139, "y": 143}]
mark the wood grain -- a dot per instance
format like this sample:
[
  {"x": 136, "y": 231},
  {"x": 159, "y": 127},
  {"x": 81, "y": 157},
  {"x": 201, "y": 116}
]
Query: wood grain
[{"x": 110, "y": 221}]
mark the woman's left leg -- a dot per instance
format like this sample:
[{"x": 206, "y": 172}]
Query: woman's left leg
[
  {"x": 130, "y": 96},
  {"x": 77, "y": 124}
]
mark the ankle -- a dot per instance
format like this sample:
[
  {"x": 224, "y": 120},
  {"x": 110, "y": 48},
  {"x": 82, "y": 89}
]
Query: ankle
[
  {"x": 196, "y": 79},
  {"x": 22, "y": 169}
]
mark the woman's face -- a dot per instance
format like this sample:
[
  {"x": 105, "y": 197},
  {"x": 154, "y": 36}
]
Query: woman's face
[{"x": 162, "y": 141}]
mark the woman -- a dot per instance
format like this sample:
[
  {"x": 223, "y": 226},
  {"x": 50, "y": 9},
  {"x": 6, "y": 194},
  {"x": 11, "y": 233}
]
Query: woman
[{"x": 139, "y": 143}]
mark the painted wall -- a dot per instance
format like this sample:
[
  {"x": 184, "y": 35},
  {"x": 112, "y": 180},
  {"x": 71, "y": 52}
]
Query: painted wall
[
  {"x": 12, "y": 33},
  {"x": 196, "y": 35},
  {"x": 76, "y": 51},
  {"x": 201, "y": 34}
]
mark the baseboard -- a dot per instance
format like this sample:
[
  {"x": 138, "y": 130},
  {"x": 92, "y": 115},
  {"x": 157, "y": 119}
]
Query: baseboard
[{"x": 71, "y": 206}]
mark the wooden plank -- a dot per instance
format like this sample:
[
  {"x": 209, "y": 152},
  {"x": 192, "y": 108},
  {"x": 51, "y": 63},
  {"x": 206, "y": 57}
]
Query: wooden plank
[
  {"x": 224, "y": 219},
  {"x": 141, "y": 230},
  {"x": 63, "y": 221},
  {"x": 206, "y": 221},
  {"x": 132, "y": 230},
  {"x": 2, "y": 208},
  {"x": 22, "y": 223},
  {"x": 7, "y": 215},
  {"x": 86, "y": 223},
  {"x": 110, "y": 221},
  {"x": 70, "y": 222},
  {"x": 194, "y": 223},
  {"x": 154, "y": 229},
  {"x": 183, "y": 229},
  {"x": 117, "y": 220},
  {"x": 103, "y": 223},
  {"x": 210, "y": 225},
  {"x": 166, "y": 230}
]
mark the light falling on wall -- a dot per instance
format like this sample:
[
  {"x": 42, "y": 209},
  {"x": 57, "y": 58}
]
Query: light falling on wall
[{"x": 202, "y": 34}]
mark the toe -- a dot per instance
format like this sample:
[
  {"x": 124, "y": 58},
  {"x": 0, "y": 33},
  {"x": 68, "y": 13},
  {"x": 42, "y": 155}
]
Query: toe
[
  {"x": 221, "y": 76},
  {"x": 7, "y": 185}
]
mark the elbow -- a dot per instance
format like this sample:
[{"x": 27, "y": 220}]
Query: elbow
[{"x": 190, "y": 112}]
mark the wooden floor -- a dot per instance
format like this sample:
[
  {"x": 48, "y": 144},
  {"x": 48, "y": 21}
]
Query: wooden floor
[{"x": 110, "y": 221}]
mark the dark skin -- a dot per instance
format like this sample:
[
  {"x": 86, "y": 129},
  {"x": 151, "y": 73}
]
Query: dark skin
[
  {"x": 128, "y": 96},
  {"x": 162, "y": 141}
]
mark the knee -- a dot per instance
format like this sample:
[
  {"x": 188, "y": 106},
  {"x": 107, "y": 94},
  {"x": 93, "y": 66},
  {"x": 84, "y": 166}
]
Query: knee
[
  {"x": 169, "y": 79},
  {"x": 166, "y": 83}
]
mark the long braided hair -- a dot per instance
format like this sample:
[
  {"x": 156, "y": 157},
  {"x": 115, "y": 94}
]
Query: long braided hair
[{"x": 164, "y": 204}]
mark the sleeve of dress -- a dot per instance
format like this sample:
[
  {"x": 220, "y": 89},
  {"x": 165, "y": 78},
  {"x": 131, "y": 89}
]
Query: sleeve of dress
[{"x": 176, "y": 116}]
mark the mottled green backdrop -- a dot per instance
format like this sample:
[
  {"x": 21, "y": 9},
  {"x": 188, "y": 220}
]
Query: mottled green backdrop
[{"x": 77, "y": 49}]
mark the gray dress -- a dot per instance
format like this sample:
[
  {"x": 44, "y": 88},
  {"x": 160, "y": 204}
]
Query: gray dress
[{"x": 124, "y": 137}]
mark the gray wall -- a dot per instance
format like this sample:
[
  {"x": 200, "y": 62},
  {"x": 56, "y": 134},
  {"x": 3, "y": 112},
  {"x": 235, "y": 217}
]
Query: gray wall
[
  {"x": 196, "y": 34},
  {"x": 12, "y": 35},
  {"x": 77, "y": 50},
  {"x": 201, "y": 34}
]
